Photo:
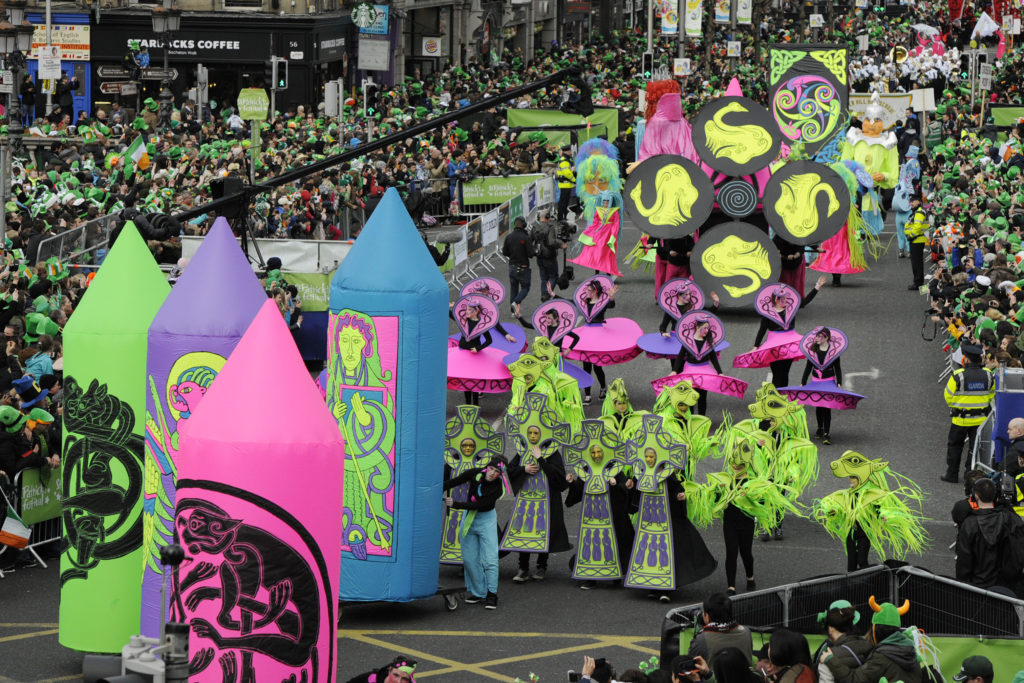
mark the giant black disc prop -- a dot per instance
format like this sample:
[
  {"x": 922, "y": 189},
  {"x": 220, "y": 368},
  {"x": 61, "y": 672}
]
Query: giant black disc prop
[
  {"x": 735, "y": 260},
  {"x": 736, "y": 136},
  {"x": 668, "y": 196},
  {"x": 806, "y": 202}
]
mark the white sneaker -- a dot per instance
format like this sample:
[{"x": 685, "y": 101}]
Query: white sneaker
[{"x": 522, "y": 576}]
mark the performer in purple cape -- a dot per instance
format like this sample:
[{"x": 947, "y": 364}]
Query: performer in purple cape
[
  {"x": 822, "y": 347},
  {"x": 777, "y": 303},
  {"x": 511, "y": 338},
  {"x": 473, "y": 367},
  {"x": 602, "y": 341},
  {"x": 697, "y": 362},
  {"x": 677, "y": 297}
]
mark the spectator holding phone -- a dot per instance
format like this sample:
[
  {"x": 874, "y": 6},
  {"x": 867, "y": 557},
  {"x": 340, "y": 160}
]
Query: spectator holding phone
[{"x": 594, "y": 670}]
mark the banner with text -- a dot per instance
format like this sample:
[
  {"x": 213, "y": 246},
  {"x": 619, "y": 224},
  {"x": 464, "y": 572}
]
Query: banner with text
[
  {"x": 71, "y": 41},
  {"x": 893, "y": 106},
  {"x": 40, "y": 495},
  {"x": 314, "y": 289},
  {"x": 496, "y": 189}
]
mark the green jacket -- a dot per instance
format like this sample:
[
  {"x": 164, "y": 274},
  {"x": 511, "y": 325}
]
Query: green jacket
[{"x": 894, "y": 658}]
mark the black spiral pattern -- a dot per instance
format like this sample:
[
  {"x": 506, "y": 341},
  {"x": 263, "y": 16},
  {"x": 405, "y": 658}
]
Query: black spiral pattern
[{"x": 738, "y": 198}]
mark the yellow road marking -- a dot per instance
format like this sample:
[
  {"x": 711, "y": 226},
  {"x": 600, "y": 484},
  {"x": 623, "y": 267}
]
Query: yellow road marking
[
  {"x": 348, "y": 632},
  {"x": 27, "y": 624},
  {"x": 75, "y": 677},
  {"x": 455, "y": 666},
  {"x": 23, "y": 636},
  {"x": 519, "y": 658},
  {"x": 595, "y": 642}
]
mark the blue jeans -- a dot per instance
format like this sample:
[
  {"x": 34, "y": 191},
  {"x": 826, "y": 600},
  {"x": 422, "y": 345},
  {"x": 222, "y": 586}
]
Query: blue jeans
[
  {"x": 480, "y": 554},
  {"x": 548, "y": 273},
  {"x": 519, "y": 283},
  {"x": 902, "y": 243}
]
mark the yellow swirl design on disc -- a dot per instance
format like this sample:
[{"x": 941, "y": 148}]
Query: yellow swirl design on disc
[
  {"x": 797, "y": 204},
  {"x": 736, "y": 257},
  {"x": 739, "y": 144},
  {"x": 676, "y": 196}
]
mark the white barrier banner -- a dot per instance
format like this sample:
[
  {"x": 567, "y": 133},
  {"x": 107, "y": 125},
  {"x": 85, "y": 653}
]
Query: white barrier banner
[{"x": 489, "y": 228}]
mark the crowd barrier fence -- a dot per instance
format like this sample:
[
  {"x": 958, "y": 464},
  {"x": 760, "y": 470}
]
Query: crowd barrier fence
[
  {"x": 478, "y": 251},
  {"x": 36, "y": 499},
  {"x": 939, "y": 606}
]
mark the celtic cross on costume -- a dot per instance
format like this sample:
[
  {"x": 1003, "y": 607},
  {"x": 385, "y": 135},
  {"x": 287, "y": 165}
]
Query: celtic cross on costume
[
  {"x": 654, "y": 454},
  {"x": 535, "y": 424},
  {"x": 538, "y": 434},
  {"x": 596, "y": 457}
]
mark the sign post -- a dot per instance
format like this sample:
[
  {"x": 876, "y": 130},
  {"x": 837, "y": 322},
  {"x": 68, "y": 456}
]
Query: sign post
[{"x": 252, "y": 107}]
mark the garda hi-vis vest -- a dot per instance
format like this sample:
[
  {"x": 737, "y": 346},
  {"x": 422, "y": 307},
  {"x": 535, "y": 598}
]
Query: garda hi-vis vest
[
  {"x": 1018, "y": 494},
  {"x": 969, "y": 393},
  {"x": 917, "y": 227},
  {"x": 566, "y": 177}
]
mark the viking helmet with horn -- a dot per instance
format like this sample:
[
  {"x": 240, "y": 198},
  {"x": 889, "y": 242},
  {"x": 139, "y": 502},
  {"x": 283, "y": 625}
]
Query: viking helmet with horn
[{"x": 886, "y": 614}]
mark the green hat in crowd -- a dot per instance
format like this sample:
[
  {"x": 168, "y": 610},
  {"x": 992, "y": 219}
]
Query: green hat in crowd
[
  {"x": 150, "y": 104},
  {"x": 11, "y": 419},
  {"x": 888, "y": 614}
]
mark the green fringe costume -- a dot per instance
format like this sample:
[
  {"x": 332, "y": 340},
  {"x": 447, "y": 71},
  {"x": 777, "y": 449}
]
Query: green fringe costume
[{"x": 877, "y": 501}]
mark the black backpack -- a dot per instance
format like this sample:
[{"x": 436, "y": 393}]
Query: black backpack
[{"x": 539, "y": 234}]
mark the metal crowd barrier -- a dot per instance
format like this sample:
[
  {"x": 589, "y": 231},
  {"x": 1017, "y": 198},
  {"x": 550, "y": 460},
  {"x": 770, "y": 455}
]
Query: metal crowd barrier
[
  {"x": 941, "y": 606},
  {"x": 78, "y": 245},
  {"x": 488, "y": 258},
  {"x": 43, "y": 532}
]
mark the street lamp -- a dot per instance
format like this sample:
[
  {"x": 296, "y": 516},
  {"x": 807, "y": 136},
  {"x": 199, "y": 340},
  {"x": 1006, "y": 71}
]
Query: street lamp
[
  {"x": 166, "y": 22},
  {"x": 15, "y": 41}
]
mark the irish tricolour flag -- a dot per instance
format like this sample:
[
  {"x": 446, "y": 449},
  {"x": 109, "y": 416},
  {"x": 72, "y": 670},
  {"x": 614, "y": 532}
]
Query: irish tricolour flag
[{"x": 136, "y": 154}]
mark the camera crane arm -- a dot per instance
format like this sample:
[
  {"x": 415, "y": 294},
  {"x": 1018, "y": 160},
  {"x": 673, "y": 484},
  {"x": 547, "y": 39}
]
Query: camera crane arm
[{"x": 572, "y": 75}]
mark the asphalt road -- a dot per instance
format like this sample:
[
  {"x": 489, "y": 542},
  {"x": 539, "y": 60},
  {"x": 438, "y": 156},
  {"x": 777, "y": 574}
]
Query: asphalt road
[{"x": 546, "y": 627}]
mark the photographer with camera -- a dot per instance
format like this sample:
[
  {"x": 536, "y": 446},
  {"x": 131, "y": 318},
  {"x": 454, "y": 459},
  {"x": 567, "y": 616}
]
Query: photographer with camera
[{"x": 546, "y": 244}]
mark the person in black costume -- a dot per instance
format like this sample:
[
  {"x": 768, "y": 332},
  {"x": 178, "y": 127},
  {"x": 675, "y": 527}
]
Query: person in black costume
[
  {"x": 705, "y": 338},
  {"x": 823, "y": 415},
  {"x": 693, "y": 561},
  {"x": 554, "y": 471},
  {"x": 684, "y": 305},
  {"x": 594, "y": 293},
  {"x": 478, "y": 343},
  {"x": 780, "y": 368},
  {"x": 550, "y": 326}
]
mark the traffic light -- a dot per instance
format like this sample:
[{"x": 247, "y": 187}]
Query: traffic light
[
  {"x": 648, "y": 65},
  {"x": 371, "y": 93},
  {"x": 269, "y": 69},
  {"x": 281, "y": 77}
]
